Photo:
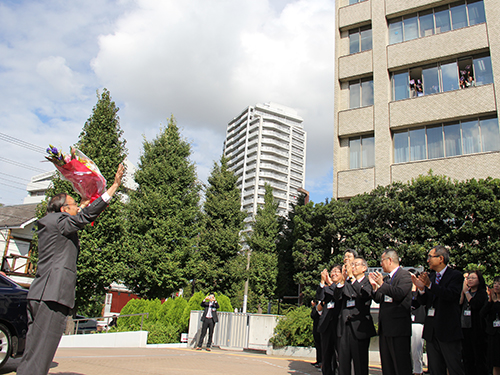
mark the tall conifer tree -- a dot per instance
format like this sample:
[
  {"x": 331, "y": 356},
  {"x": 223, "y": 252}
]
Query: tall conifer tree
[
  {"x": 99, "y": 261},
  {"x": 262, "y": 241},
  {"x": 219, "y": 262},
  {"x": 163, "y": 216}
]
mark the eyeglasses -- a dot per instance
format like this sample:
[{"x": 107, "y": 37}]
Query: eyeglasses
[
  {"x": 69, "y": 204},
  {"x": 433, "y": 256},
  {"x": 382, "y": 259}
]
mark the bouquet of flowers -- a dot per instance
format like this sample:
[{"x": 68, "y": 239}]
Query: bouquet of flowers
[{"x": 78, "y": 169}]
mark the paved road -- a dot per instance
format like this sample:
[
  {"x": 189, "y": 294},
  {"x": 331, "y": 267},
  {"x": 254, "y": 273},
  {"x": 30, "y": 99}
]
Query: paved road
[{"x": 142, "y": 361}]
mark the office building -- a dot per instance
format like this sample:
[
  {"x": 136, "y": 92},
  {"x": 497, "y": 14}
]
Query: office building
[
  {"x": 266, "y": 143},
  {"x": 415, "y": 90}
]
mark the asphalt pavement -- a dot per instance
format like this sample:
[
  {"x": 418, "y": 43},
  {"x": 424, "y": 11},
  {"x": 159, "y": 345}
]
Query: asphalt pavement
[{"x": 152, "y": 361}]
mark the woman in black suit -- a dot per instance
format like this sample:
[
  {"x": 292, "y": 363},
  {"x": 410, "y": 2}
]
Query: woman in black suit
[
  {"x": 474, "y": 345},
  {"x": 491, "y": 312}
]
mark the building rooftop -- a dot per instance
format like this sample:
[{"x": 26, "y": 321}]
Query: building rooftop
[{"x": 17, "y": 216}]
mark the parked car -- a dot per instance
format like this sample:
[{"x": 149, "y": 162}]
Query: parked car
[
  {"x": 85, "y": 325},
  {"x": 13, "y": 319}
]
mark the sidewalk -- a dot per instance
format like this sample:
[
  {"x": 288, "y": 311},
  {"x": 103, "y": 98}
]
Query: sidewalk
[{"x": 135, "y": 361}]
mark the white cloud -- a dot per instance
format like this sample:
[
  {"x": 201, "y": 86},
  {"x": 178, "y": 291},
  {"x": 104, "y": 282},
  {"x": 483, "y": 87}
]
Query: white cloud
[{"x": 201, "y": 61}]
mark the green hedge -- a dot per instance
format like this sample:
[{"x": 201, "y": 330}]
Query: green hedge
[
  {"x": 294, "y": 329},
  {"x": 166, "y": 320}
]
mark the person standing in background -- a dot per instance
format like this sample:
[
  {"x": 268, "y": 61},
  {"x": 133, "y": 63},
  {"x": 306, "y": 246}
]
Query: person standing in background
[{"x": 209, "y": 319}]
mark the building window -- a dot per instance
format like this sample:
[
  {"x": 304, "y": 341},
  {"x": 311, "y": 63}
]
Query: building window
[
  {"x": 360, "y": 93},
  {"x": 446, "y": 140},
  {"x": 355, "y": 1},
  {"x": 442, "y": 77},
  {"x": 361, "y": 152},
  {"x": 360, "y": 39},
  {"x": 438, "y": 20}
]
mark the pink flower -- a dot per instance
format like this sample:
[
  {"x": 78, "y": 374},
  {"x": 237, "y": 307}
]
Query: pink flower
[{"x": 67, "y": 158}]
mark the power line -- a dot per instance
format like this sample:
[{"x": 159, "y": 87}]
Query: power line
[
  {"x": 15, "y": 187},
  {"x": 19, "y": 178},
  {"x": 21, "y": 143},
  {"x": 18, "y": 164},
  {"x": 14, "y": 182}
]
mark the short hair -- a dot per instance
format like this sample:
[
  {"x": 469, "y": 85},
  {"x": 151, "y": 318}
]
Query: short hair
[
  {"x": 352, "y": 251},
  {"x": 442, "y": 251},
  {"x": 391, "y": 253},
  {"x": 338, "y": 266},
  {"x": 363, "y": 260},
  {"x": 496, "y": 279},
  {"x": 57, "y": 202}
]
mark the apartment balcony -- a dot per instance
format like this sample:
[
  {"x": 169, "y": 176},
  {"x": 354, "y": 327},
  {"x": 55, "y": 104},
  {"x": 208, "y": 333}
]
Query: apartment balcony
[
  {"x": 273, "y": 125},
  {"x": 395, "y": 8},
  {"x": 356, "y": 65},
  {"x": 273, "y": 133},
  {"x": 273, "y": 167},
  {"x": 355, "y": 121},
  {"x": 432, "y": 48},
  {"x": 354, "y": 15},
  {"x": 268, "y": 157},
  {"x": 355, "y": 181},
  {"x": 446, "y": 106},
  {"x": 274, "y": 150}
]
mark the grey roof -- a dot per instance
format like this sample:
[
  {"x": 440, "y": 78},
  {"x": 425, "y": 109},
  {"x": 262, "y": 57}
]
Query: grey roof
[{"x": 15, "y": 216}]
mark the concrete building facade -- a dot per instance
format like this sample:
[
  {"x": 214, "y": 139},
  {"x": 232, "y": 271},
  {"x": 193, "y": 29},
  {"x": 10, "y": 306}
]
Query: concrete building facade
[
  {"x": 266, "y": 143},
  {"x": 415, "y": 90}
]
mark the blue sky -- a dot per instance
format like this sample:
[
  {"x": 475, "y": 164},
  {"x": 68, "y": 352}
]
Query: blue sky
[{"x": 204, "y": 62}]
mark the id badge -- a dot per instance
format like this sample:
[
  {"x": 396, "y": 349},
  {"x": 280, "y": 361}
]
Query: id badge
[
  {"x": 467, "y": 313},
  {"x": 330, "y": 305},
  {"x": 431, "y": 311},
  {"x": 351, "y": 303},
  {"x": 412, "y": 318},
  {"x": 496, "y": 323},
  {"x": 387, "y": 299}
]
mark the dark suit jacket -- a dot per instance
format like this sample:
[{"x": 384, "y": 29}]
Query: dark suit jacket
[
  {"x": 358, "y": 316},
  {"x": 445, "y": 298},
  {"x": 329, "y": 317},
  {"x": 206, "y": 306},
  {"x": 394, "y": 317},
  {"x": 58, "y": 248}
]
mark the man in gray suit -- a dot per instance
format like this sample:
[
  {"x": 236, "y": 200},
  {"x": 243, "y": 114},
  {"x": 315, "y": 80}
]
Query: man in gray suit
[{"x": 52, "y": 293}]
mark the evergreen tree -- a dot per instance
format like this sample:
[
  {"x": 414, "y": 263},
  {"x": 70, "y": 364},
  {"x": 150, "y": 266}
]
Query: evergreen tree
[
  {"x": 262, "y": 242},
  {"x": 101, "y": 246},
  {"x": 163, "y": 216},
  {"x": 219, "y": 263}
]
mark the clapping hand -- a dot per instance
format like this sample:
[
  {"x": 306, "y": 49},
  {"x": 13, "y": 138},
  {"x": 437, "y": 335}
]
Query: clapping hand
[{"x": 416, "y": 281}]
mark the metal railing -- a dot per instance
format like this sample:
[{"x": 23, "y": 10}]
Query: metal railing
[{"x": 102, "y": 318}]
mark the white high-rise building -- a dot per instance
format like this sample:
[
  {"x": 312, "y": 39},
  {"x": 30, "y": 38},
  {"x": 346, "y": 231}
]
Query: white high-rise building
[{"x": 266, "y": 143}]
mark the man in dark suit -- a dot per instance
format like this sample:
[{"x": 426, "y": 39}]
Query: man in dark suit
[
  {"x": 327, "y": 326},
  {"x": 52, "y": 292},
  {"x": 209, "y": 318},
  {"x": 316, "y": 311},
  {"x": 355, "y": 323},
  {"x": 393, "y": 293},
  {"x": 440, "y": 293}
]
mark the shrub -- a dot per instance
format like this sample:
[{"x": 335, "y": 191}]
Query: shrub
[{"x": 294, "y": 329}]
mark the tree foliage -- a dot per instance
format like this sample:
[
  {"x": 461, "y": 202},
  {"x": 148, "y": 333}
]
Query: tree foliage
[
  {"x": 162, "y": 216},
  {"x": 262, "y": 241},
  {"x": 411, "y": 217},
  {"x": 218, "y": 263}
]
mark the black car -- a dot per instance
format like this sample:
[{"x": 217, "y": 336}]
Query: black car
[
  {"x": 13, "y": 319},
  {"x": 85, "y": 325}
]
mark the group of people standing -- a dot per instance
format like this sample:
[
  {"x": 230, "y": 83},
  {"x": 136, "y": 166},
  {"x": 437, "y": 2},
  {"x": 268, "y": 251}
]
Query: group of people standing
[{"x": 456, "y": 316}]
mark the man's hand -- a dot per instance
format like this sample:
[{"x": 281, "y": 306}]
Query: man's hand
[
  {"x": 424, "y": 278},
  {"x": 118, "y": 180},
  {"x": 84, "y": 203},
  {"x": 371, "y": 278},
  {"x": 324, "y": 276},
  {"x": 417, "y": 282}
]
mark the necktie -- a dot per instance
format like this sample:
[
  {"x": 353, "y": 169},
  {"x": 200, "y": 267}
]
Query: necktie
[{"x": 438, "y": 278}]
